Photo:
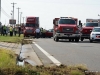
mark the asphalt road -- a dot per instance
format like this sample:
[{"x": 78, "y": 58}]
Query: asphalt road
[{"x": 68, "y": 53}]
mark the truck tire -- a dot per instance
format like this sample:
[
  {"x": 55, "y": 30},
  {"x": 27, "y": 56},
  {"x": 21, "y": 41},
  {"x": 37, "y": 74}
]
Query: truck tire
[
  {"x": 56, "y": 39},
  {"x": 49, "y": 37},
  {"x": 82, "y": 39},
  {"x": 91, "y": 41},
  {"x": 77, "y": 40},
  {"x": 69, "y": 40},
  {"x": 72, "y": 40}
]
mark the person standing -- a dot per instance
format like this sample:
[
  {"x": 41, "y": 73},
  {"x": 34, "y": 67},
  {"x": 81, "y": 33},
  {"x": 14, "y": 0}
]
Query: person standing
[
  {"x": 15, "y": 30},
  {"x": 41, "y": 32},
  {"x": 19, "y": 31},
  {"x": 44, "y": 32},
  {"x": 11, "y": 31},
  {"x": 4, "y": 29},
  {"x": 37, "y": 31}
]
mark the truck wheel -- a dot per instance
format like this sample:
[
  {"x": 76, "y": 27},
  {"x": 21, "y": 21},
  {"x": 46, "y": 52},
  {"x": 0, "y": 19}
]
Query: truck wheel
[
  {"x": 72, "y": 40},
  {"x": 56, "y": 39},
  {"x": 69, "y": 40},
  {"x": 91, "y": 41},
  {"x": 49, "y": 37},
  {"x": 76, "y": 40},
  {"x": 82, "y": 39}
]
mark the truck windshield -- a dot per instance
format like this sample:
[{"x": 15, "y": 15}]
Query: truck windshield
[
  {"x": 66, "y": 21},
  {"x": 96, "y": 30},
  {"x": 91, "y": 24},
  {"x": 30, "y": 25}
]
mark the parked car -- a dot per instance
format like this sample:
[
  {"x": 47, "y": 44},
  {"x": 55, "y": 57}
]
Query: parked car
[
  {"x": 49, "y": 33},
  {"x": 95, "y": 34}
]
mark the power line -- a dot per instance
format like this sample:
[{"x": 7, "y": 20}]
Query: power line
[
  {"x": 5, "y": 4},
  {"x": 3, "y": 11}
]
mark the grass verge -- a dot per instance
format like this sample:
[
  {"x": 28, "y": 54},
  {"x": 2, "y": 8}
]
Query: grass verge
[{"x": 13, "y": 39}]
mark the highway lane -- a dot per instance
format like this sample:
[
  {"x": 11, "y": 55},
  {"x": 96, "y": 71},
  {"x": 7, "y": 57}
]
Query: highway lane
[{"x": 70, "y": 53}]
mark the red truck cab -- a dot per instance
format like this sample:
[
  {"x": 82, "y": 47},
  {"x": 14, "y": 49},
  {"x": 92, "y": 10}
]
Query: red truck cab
[
  {"x": 87, "y": 28},
  {"x": 31, "y": 24},
  {"x": 66, "y": 28}
]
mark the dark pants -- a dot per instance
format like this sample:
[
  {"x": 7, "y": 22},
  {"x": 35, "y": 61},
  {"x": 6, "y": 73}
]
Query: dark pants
[
  {"x": 37, "y": 35},
  {"x": 4, "y": 33},
  {"x": 19, "y": 33},
  {"x": 15, "y": 32},
  {"x": 43, "y": 35},
  {"x": 11, "y": 33}
]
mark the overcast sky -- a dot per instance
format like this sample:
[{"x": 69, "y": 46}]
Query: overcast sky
[{"x": 47, "y": 10}]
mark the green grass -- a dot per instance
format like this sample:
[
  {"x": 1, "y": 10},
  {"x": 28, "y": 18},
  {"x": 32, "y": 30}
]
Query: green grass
[
  {"x": 13, "y": 39},
  {"x": 6, "y": 56},
  {"x": 8, "y": 64}
]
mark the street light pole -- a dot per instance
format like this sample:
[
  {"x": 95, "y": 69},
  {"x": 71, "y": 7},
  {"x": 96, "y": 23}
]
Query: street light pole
[
  {"x": 11, "y": 14},
  {"x": 0, "y": 10},
  {"x": 18, "y": 15},
  {"x": 13, "y": 11},
  {"x": 23, "y": 20},
  {"x": 0, "y": 13}
]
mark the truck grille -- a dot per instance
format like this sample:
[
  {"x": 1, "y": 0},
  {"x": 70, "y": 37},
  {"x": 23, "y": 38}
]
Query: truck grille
[
  {"x": 29, "y": 31},
  {"x": 67, "y": 30},
  {"x": 87, "y": 31}
]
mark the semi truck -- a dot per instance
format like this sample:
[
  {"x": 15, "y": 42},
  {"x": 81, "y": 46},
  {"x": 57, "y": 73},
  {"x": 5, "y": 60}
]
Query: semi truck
[
  {"x": 30, "y": 26},
  {"x": 66, "y": 28}
]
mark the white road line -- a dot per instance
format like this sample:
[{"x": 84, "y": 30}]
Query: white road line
[{"x": 55, "y": 61}]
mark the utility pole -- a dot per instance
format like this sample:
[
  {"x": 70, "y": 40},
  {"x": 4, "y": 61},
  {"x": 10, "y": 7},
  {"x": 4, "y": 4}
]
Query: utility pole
[
  {"x": 0, "y": 10},
  {"x": 23, "y": 20},
  {"x": 18, "y": 15},
  {"x": 11, "y": 14},
  {"x": 0, "y": 13},
  {"x": 13, "y": 9}
]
